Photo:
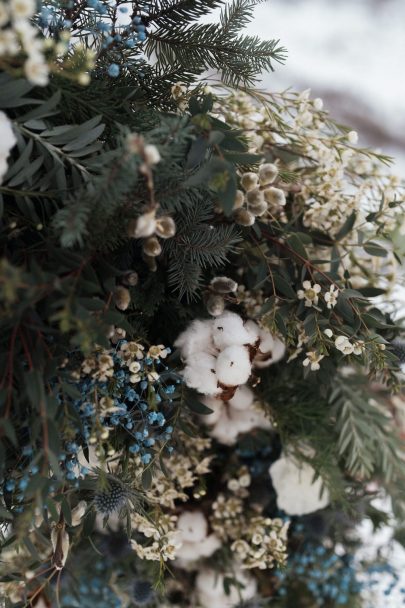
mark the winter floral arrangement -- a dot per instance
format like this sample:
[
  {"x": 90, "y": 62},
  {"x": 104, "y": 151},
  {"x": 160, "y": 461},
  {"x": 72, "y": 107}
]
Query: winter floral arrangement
[{"x": 200, "y": 348}]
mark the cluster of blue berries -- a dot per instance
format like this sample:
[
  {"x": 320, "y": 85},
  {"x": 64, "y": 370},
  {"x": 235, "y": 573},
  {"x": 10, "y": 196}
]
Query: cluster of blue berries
[
  {"x": 91, "y": 591},
  {"x": 16, "y": 485}
]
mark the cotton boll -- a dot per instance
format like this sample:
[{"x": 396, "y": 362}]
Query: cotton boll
[
  {"x": 216, "y": 405},
  {"x": 196, "y": 338},
  {"x": 253, "y": 330},
  {"x": 228, "y": 329},
  {"x": 249, "y": 419},
  {"x": 224, "y": 431},
  {"x": 211, "y": 592},
  {"x": 271, "y": 350},
  {"x": 199, "y": 373},
  {"x": 242, "y": 399},
  {"x": 297, "y": 493},
  {"x": 233, "y": 366},
  {"x": 192, "y": 551},
  {"x": 192, "y": 526}
]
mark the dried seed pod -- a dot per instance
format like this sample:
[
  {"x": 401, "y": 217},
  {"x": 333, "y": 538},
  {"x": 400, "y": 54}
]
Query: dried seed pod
[
  {"x": 249, "y": 181},
  {"x": 243, "y": 217},
  {"x": 267, "y": 174},
  {"x": 122, "y": 297},
  {"x": 215, "y": 305},
  {"x": 152, "y": 247},
  {"x": 165, "y": 227},
  {"x": 224, "y": 285}
]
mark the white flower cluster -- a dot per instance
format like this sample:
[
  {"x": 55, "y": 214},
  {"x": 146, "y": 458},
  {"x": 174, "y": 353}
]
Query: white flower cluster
[
  {"x": 17, "y": 32},
  {"x": 7, "y": 141},
  {"x": 297, "y": 491},
  {"x": 219, "y": 355},
  {"x": 310, "y": 294}
]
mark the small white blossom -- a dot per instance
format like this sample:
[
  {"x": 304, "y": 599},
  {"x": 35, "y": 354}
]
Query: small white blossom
[
  {"x": 312, "y": 359},
  {"x": 353, "y": 137},
  {"x": 309, "y": 293},
  {"x": 37, "y": 71},
  {"x": 343, "y": 344},
  {"x": 328, "y": 332},
  {"x": 152, "y": 154},
  {"x": 331, "y": 297}
]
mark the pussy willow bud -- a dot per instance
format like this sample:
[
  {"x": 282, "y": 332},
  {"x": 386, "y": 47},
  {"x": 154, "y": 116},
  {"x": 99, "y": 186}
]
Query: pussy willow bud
[
  {"x": 215, "y": 305},
  {"x": 275, "y": 196},
  {"x": 152, "y": 247},
  {"x": 243, "y": 217},
  {"x": 165, "y": 227},
  {"x": 143, "y": 226},
  {"x": 122, "y": 297},
  {"x": 249, "y": 181},
  {"x": 258, "y": 209},
  {"x": 131, "y": 278},
  {"x": 239, "y": 199},
  {"x": 151, "y": 263},
  {"x": 255, "y": 197},
  {"x": 267, "y": 174},
  {"x": 224, "y": 285}
]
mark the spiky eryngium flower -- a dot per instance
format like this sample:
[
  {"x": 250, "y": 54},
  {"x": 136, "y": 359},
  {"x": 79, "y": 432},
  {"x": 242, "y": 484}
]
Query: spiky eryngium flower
[
  {"x": 111, "y": 498},
  {"x": 142, "y": 592}
]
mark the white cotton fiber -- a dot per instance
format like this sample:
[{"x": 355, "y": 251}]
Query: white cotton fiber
[
  {"x": 196, "y": 338},
  {"x": 224, "y": 431},
  {"x": 253, "y": 330},
  {"x": 271, "y": 350},
  {"x": 233, "y": 366},
  {"x": 193, "y": 526},
  {"x": 199, "y": 373},
  {"x": 228, "y": 329},
  {"x": 242, "y": 399},
  {"x": 216, "y": 405}
]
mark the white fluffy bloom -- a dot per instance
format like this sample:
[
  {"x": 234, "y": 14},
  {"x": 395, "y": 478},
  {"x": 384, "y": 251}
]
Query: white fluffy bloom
[
  {"x": 152, "y": 154},
  {"x": 271, "y": 350},
  {"x": 242, "y": 399},
  {"x": 233, "y": 366},
  {"x": 211, "y": 593},
  {"x": 199, "y": 373},
  {"x": 7, "y": 142},
  {"x": 36, "y": 70},
  {"x": 216, "y": 405},
  {"x": 229, "y": 330},
  {"x": 192, "y": 533},
  {"x": 297, "y": 492},
  {"x": 233, "y": 421},
  {"x": 196, "y": 338}
]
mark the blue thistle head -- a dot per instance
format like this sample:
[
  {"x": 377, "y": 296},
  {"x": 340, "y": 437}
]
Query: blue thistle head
[{"x": 112, "y": 498}]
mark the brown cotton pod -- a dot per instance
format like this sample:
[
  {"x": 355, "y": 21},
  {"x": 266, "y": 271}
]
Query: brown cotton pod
[
  {"x": 165, "y": 227},
  {"x": 152, "y": 247}
]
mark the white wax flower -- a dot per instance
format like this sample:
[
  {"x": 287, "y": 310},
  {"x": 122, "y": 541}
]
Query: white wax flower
[
  {"x": 297, "y": 492},
  {"x": 233, "y": 366},
  {"x": 199, "y": 373},
  {"x": 211, "y": 592},
  {"x": 229, "y": 330},
  {"x": 196, "y": 338}
]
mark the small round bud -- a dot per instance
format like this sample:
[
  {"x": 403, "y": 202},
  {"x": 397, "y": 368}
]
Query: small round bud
[
  {"x": 249, "y": 181},
  {"x": 224, "y": 285},
  {"x": 239, "y": 199},
  {"x": 255, "y": 197},
  {"x": 151, "y": 154},
  {"x": 258, "y": 209},
  {"x": 275, "y": 196},
  {"x": 122, "y": 297},
  {"x": 131, "y": 278},
  {"x": 267, "y": 174},
  {"x": 243, "y": 217},
  {"x": 165, "y": 227},
  {"x": 143, "y": 226},
  {"x": 215, "y": 305},
  {"x": 152, "y": 247}
]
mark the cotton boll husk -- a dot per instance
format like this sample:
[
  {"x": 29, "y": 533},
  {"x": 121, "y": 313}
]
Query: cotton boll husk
[
  {"x": 196, "y": 338},
  {"x": 242, "y": 399},
  {"x": 233, "y": 366},
  {"x": 297, "y": 493},
  {"x": 192, "y": 526},
  {"x": 199, "y": 373},
  {"x": 216, "y": 405},
  {"x": 228, "y": 330}
]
